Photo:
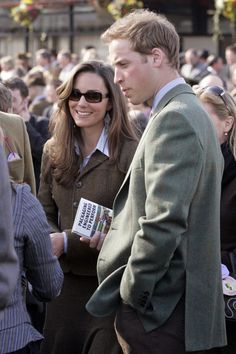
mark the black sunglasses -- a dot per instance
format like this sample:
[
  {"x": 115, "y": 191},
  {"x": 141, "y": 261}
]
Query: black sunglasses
[
  {"x": 90, "y": 96},
  {"x": 218, "y": 91}
]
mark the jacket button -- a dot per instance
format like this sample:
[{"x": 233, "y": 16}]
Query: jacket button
[
  {"x": 78, "y": 184},
  {"x": 75, "y": 204}
]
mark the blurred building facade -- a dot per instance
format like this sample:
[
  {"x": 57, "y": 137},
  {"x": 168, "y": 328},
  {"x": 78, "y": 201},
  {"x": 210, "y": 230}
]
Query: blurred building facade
[{"x": 73, "y": 24}]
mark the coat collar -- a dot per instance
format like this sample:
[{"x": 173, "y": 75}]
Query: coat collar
[
  {"x": 166, "y": 88},
  {"x": 95, "y": 160},
  {"x": 170, "y": 95}
]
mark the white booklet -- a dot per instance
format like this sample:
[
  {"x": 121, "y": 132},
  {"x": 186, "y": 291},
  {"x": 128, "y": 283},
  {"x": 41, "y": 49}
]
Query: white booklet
[{"x": 91, "y": 217}]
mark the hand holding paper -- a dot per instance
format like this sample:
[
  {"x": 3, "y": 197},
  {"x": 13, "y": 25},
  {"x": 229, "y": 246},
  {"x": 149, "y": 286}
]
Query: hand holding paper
[{"x": 96, "y": 241}]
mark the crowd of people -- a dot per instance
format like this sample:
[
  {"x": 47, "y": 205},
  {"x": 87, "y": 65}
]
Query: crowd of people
[{"x": 149, "y": 133}]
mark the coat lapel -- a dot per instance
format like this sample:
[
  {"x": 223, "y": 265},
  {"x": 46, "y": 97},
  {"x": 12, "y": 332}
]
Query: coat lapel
[
  {"x": 172, "y": 94},
  {"x": 96, "y": 159}
]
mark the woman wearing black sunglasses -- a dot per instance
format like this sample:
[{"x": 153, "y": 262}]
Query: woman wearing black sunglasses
[
  {"x": 91, "y": 148},
  {"x": 222, "y": 110}
]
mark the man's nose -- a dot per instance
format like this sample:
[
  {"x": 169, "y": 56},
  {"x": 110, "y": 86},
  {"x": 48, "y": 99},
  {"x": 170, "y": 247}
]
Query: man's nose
[{"x": 117, "y": 77}]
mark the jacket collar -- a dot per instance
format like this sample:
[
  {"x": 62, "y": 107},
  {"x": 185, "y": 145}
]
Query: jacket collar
[
  {"x": 170, "y": 95},
  {"x": 95, "y": 160},
  {"x": 166, "y": 88}
]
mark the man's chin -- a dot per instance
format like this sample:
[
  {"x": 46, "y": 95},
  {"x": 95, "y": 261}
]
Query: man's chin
[{"x": 134, "y": 101}]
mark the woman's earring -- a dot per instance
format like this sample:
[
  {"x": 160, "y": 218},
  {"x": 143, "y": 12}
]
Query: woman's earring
[
  {"x": 107, "y": 121},
  {"x": 225, "y": 133}
]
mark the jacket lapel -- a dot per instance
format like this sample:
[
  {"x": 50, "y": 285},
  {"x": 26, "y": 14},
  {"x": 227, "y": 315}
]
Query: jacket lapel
[
  {"x": 96, "y": 159},
  {"x": 172, "y": 94}
]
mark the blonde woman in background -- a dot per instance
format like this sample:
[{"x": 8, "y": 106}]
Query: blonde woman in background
[{"x": 222, "y": 110}]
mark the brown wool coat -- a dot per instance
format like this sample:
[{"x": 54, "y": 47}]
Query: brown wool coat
[{"x": 99, "y": 182}]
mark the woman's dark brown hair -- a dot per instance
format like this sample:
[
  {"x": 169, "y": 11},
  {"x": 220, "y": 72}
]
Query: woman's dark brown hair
[{"x": 61, "y": 146}]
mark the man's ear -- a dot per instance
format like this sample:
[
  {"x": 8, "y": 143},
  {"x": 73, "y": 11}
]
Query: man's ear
[
  {"x": 26, "y": 102},
  {"x": 158, "y": 56}
]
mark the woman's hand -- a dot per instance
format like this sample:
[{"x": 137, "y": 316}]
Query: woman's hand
[
  {"x": 57, "y": 240},
  {"x": 96, "y": 241}
]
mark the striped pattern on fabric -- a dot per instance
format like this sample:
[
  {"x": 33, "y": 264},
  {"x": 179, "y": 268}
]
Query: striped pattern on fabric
[{"x": 42, "y": 269}]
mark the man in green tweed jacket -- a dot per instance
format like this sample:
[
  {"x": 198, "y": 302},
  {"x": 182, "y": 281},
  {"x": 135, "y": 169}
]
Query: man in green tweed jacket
[{"x": 159, "y": 267}]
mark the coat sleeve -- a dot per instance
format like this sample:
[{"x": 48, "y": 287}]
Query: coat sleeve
[
  {"x": 8, "y": 260},
  {"x": 169, "y": 168},
  {"x": 45, "y": 193},
  {"x": 42, "y": 267},
  {"x": 38, "y": 135}
]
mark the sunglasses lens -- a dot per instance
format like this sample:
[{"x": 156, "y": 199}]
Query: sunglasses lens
[
  {"x": 75, "y": 95},
  {"x": 93, "y": 96},
  {"x": 216, "y": 90},
  {"x": 90, "y": 96}
]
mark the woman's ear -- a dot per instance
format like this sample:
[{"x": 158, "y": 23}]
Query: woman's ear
[
  {"x": 228, "y": 124},
  {"x": 109, "y": 106}
]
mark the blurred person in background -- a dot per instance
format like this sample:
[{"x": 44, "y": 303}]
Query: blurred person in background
[
  {"x": 5, "y": 99},
  {"x": 203, "y": 55},
  {"x": 37, "y": 264},
  {"x": 230, "y": 54},
  {"x": 221, "y": 108},
  {"x": 37, "y": 127},
  {"x": 139, "y": 121},
  {"x": 23, "y": 64},
  {"x": 36, "y": 84},
  {"x": 215, "y": 64},
  {"x": 43, "y": 60},
  {"x": 52, "y": 97},
  {"x": 7, "y": 68},
  {"x": 65, "y": 64},
  {"x": 230, "y": 57},
  {"x": 211, "y": 80},
  {"x": 89, "y": 52},
  {"x": 193, "y": 70},
  {"x": 17, "y": 145}
]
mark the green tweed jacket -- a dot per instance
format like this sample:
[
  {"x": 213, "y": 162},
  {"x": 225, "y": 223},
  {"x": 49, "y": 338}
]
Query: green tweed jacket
[
  {"x": 17, "y": 149},
  {"x": 164, "y": 240}
]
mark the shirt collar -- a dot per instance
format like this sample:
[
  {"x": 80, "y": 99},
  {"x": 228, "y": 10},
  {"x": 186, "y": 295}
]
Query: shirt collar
[
  {"x": 160, "y": 94},
  {"x": 102, "y": 144}
]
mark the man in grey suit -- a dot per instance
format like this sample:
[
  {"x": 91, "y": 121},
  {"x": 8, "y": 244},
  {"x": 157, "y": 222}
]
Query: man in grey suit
[
  {"x": 8, "y": 260},
  {"x": 159, "y": 267}
]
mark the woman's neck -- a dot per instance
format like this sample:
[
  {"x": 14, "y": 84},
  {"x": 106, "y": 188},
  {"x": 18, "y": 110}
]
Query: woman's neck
[{"x": 89, "y": 140}]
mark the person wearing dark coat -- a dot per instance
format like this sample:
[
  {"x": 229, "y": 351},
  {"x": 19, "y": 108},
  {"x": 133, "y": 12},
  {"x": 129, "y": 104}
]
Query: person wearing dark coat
[
  {"x": 37, "y": 127},
  {"x": 38, "y": 131},
  {"x": 36, "y": 263},
  {"x": 90, "y": 151},
  {"x": 222, "y": 110},
  {"x": 38, "y": 134}
]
